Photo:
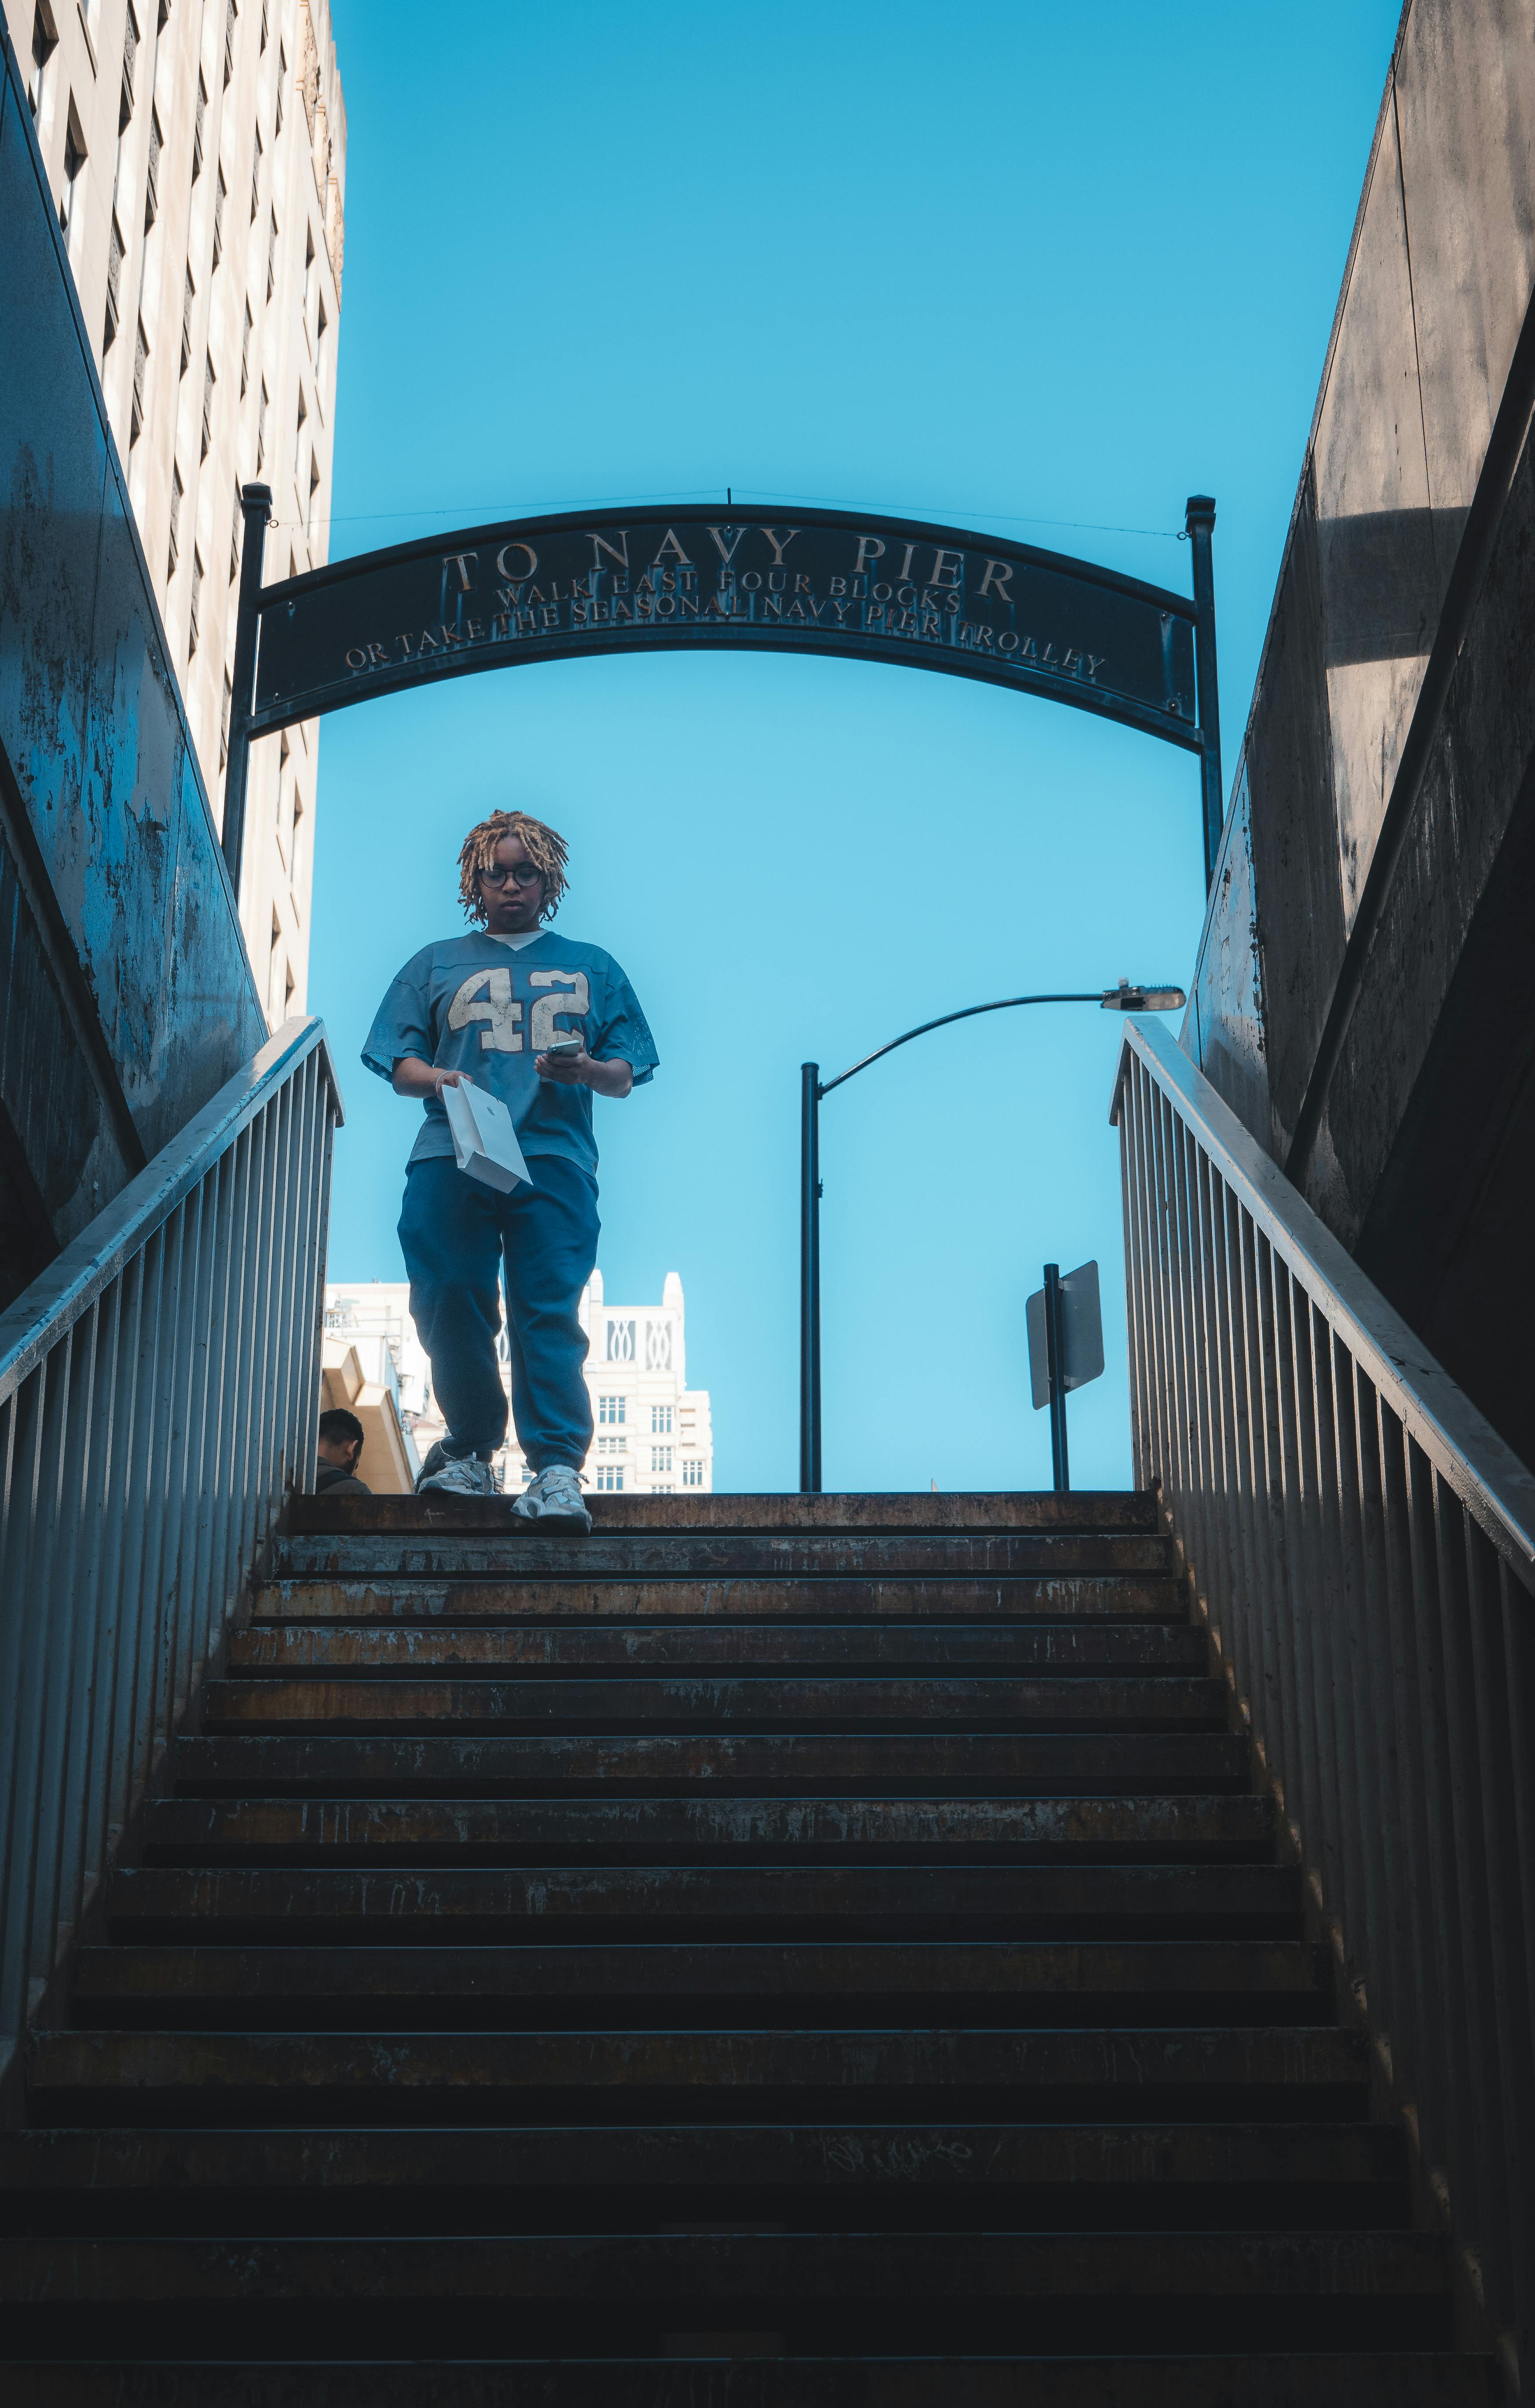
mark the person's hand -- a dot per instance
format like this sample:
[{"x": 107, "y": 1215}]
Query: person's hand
[
  {"x": 565, "y": 1069},
  {"x": 450, "y": 1079}
]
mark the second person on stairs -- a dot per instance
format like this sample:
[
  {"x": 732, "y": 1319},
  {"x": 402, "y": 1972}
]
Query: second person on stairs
[{"x": 488, "y": 1005}]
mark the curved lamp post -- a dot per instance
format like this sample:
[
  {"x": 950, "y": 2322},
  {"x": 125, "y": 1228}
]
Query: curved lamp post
[{"x": 1124, "y": 998}]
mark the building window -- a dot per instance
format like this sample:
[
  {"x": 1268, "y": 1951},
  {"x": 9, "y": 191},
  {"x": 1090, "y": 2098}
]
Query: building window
[
  {"x": 265, "y": 14},
  {"x": 321, "y": 327},
  {"x": 130, "y": 57},
  {"x": 271, "y": 258},
  {"x": 609, "y": 1475},
  {"x": 45, "y": 41},
  {"x": 692, "y": 1471},
  {"x": 218, "y": 199},
  {"x": 223, "y": 719},
  {"x": 230, "y": 13},
  {"x": 276, "y": 974},
  {"x": 661, "y": 1419},
  {"x": 176, "y": 489},
  {"x": 260, "y": 426},
  {"x": 210, "y": 381},
  {"x": 621, "y": 1342},
  {"x": 255, "y": 179},
  {"x": 244, "y": 351},
  {"x": 114, "y": 283},
  {"x": 313, "y": 511},
  {"x": 235, "y": 536},
  {"x": 74, "y": 160},
  {"x": 612, "y": 1445},
  {"x": 197, "y": 127},
  {"x": 659, "y": 1346},
  {"x": 613, "y": 1408},
  {"x": 660, "y": 1458},
  {"x": 194, "y": 615},
  {"x": 281, "y": 80},
  {"x": 188, "y": 296},
  {"x": 141, "y": 357},
  {"x": 151, "y": 171},
  {"x": 296, "y": 874}
]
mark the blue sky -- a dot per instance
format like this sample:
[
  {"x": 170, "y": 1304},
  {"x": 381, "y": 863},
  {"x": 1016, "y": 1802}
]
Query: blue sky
[{"x": 1041, "y": 270}]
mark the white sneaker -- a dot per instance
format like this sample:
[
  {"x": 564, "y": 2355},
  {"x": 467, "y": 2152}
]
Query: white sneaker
[
  {"x": 553, "y": 1501},
  {"x": 459, "y": 1476}
]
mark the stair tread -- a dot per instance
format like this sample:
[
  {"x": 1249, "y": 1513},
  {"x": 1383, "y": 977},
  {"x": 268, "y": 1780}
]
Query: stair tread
[
  {"x": 388, "y": 1597},
  {"x": 286, "y": 1895},
  {"x": 356, "y": 1550},
  {"x": 1083, "y": 1509},
  {"x": 1302, "y": 2058},
  {"x": 329, "y": 1829},
  {"x": 401, "y": 1762},
  {"x": 1009, "y": 1969},
  {"x": 1345, "y": 2379},
  {"x": 496, "y": 2157},
  {"x": 704, "y": 1649},
  {"x": 800, "y": 2265},
  {"x": 605, "y": 1703}
]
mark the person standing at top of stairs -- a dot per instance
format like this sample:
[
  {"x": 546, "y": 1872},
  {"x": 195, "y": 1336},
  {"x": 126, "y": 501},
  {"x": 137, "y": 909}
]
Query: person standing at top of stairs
[{"x": 489, "y": 1005}]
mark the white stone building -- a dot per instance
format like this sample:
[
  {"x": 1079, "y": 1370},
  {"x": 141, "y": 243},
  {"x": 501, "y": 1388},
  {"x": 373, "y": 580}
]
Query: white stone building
[
  {"x": 195, "y": 150},
  {"x": 653, "y": 1435}
]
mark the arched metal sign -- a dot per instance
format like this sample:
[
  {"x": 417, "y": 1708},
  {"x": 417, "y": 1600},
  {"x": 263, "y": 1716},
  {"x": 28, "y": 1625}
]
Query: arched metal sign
[{"x": 540, "y": 589}]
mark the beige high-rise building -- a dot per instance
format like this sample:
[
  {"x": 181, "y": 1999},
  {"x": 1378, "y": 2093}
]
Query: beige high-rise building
[{"x": 195, "y": 150}]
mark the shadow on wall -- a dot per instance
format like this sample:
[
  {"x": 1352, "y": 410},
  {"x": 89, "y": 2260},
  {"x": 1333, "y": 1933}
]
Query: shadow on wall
[{"x": 130, "y": 999}]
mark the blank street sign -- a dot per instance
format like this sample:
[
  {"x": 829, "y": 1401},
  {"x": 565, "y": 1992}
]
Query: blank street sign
[{"x": 1082, "y": 1335}]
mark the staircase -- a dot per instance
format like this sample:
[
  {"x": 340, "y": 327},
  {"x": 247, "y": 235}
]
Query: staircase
[{"x": 780, "y": 1950}]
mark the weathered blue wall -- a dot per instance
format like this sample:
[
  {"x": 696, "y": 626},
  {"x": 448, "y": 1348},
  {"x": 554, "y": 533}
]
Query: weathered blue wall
[
  {"x": 128, "y": 984},
  {"x": 1365, "y": 990}
]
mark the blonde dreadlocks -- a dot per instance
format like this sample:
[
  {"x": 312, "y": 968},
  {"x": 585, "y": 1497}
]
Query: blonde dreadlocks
[{"x": 545, "y": 849}]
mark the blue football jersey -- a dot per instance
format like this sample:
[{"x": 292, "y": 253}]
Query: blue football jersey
[{"x": 474, "y": 1003}]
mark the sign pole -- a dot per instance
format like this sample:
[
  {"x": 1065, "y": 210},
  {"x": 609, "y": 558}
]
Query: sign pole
[
  {"x": 256, "y": 510},
  {"x": 1199, "y": 525},
  {"x": 1056, "y": 1356},
  {"x": 810, "y": 1279}
]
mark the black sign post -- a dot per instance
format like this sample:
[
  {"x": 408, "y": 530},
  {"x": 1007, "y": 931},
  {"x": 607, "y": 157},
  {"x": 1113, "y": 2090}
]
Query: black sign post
[{"x": 892, "y": 590}]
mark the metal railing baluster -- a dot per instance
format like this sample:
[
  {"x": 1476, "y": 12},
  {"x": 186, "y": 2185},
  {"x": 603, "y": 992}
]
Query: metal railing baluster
[
  {"x": 1365, "y": 1545},
  {"x": 158, "y": 1398}
]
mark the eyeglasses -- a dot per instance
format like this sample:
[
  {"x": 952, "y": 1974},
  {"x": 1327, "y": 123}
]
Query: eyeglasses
[{"x": 525, "y": 873}]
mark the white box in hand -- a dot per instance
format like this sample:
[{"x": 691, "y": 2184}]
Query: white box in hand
[{"x": 485, "y": 1143}]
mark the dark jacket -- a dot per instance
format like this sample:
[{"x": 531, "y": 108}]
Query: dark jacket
[{"x": 331, "y": 1480}]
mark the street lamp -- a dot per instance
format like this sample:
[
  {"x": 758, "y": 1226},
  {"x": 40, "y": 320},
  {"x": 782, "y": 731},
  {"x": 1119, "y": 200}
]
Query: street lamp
[{"x": 1126, "y": 997}]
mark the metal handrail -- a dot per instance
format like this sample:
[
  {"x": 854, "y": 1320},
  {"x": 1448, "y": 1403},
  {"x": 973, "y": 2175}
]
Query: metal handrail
[
  {"x": 1360, "y": 1540},
  {"x": 1459, "y": 1441},
  {"x": 159, "y": 1389}
]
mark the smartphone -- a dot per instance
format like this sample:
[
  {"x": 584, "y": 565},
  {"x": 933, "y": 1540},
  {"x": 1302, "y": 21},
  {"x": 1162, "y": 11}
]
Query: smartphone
[{"x": 564, "y": 1045}]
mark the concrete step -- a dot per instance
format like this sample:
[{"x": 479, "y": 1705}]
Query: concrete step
[
  {"x": 499, "y": 1904},
  {"x": 199, "y": 2181},
  {"x": 186, "y": 2078},
  {"x": 693, "y": 1705},
  {"x": 708, "y": 1982},
  {"x": 435, "y": 1549},
  {"x": 1063, "y": 1649},
  {"x": 333, "y": 1765},
  {"x": 1357, "y": 2379},
  {"x": 891, "y": 2290},
  {"x": 1142, "y": 1597},
  {"x": 557, "y": 1830},
  {"x": 1096, "y": 1509}
]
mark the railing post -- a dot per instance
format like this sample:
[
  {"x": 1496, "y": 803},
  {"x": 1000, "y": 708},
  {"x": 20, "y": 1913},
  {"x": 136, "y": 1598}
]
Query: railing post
[
  {"x": 255, "y": 510},
  {"x": 810, "y": 1279},
  {"x": 1199, "y": 525},
  {"x": 1056, "y": 1359}
]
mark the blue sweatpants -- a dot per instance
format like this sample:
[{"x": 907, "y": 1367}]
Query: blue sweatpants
[{"x": 459, "y": 1241}]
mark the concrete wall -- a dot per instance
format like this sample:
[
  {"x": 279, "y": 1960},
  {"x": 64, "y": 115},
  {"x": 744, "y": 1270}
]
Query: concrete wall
[
  {"x": 1356, "y": 996},
  {"x": 130, "y": 998}
]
